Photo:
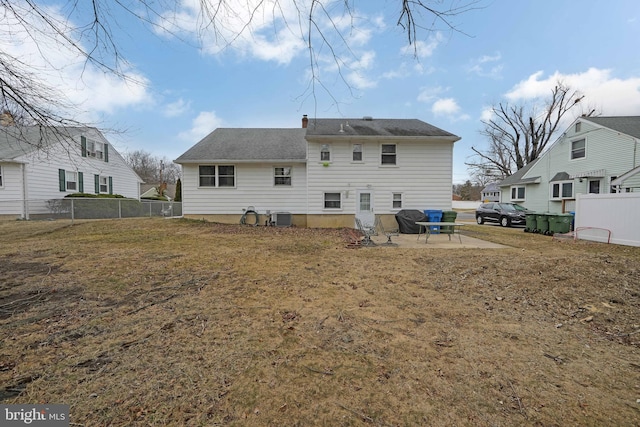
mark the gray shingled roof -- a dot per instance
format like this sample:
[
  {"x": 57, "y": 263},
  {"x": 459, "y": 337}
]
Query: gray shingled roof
[
  {"x": 516, "y": 178},
  {"x": 16, "y": 141},
  {"x": 625, "y": 124},
  {"x": 248, "y": 144},
  {"x": 375, "y": 127}
]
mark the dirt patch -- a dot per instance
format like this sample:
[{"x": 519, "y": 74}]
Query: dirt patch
[{"x": 157, "y": 322}]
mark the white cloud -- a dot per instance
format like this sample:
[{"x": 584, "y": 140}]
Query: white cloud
[
  {"x": 483, "y": 66},
  {"x": 608, "y": 94},
  {"x": 448, "y": 107},
  {"x": 422, "y": 49},
  {"x": 72, "y": 80},
  {"x": 205, "y": 123},
  {"x": 427, "y": 94},
  {"x": 487, "y": 114},
  {"x": 176, "y": 108}
]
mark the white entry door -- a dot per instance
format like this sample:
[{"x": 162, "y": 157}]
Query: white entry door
[{"x": 364, "y": 207}]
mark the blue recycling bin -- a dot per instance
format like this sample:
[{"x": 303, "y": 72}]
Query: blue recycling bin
[
  {"x": 434, "y": 215},
  {"x": 573, "y": 220}
]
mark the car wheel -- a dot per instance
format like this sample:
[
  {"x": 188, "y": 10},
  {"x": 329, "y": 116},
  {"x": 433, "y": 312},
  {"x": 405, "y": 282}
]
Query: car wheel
[
  {"x": 479, "y": 219},
  {"x": 505, "y": 221}
]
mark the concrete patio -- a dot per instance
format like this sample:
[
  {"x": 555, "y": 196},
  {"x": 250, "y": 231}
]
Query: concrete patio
[{"x": 436, "y": 241}]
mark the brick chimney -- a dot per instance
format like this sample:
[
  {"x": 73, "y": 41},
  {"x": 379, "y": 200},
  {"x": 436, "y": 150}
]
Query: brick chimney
[{"x": 305, "y": 121}]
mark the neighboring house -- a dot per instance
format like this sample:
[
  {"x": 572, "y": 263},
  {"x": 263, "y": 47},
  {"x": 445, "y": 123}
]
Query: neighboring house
[
  {"x": 594, "y": 155},
  {"x": 39, "y": 165},
  {"x": 150, "y": 191},
  {"x": 491, "y": 193},
  {"x": 325, "y": 174}
]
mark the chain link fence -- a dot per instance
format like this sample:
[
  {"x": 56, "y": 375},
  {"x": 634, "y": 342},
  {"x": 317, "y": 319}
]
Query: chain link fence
[{"x": 89, "y": 208}]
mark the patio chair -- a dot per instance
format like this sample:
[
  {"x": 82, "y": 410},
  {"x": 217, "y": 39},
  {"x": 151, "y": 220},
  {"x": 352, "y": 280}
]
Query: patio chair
[
  {"x": 367, "y": 231},
  {"x": 388, "y": 233}
]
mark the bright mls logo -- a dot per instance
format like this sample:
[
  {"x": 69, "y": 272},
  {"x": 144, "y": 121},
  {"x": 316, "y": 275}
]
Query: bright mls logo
[{"x": 35, "y": 415}]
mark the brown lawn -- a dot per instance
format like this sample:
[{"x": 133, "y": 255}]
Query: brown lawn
[{"x": 174, "y": 322}]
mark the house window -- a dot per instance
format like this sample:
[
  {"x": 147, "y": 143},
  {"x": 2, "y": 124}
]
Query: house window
[
  {"x": 325, "y": 153},
  {"x": 94, "y": 149},
  {"x": 562, "y": 190},
  {"x": 594, "y": 186},
  {"x": 332, "y": 201},
  {"x": 217, "y": 176},
  {"x": 397, "y": 201},
  {"x": 103, "y": 184},
  {"x": 388, "y": 154},
  {"x": 207, "y": 176},
  {"x": 71, "y": 180},
  {"x": 226, "y": 176},
  {"x": 282, "y": 176},
  {"x": 517, "y": 193},
  {"x": 578, "y": 125},
  {"x": 357, "y": 152},
  {"x": 578, "y": 149},
  {"x": 1, "y": 181}
]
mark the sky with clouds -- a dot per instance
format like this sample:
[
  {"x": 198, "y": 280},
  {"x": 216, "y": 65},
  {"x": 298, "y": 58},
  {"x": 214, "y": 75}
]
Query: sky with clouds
[{"x": 185, "y": 79}]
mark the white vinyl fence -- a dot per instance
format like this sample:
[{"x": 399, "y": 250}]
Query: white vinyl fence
[
  {"x": 614, "y": 217},
  {"x": 88, "y": 208}
]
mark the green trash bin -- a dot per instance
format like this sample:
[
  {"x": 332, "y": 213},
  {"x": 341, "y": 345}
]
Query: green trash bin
[
  {"x": 560, "y": 223},
  {"x": 448, "y": 216},
  {"x": 530, "y": 221},
  {"x": 542, "y": 223}
]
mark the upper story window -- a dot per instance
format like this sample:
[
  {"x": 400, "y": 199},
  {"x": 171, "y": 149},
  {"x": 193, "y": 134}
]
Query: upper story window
[
  {"x": 388, "y": 154},
  {"x": 95, "y": 149},
  {"x": 357, "y": 153},
  {"x": 217, "y": 175},
  {"x": 578, "y": 149},
  {"x": 325, "y": 153},
  {"x": 518, "y": 193},
  {"x": 282, "y": 175},
  {"x": 562, "y": 190},
  {"x": 578, "y": 125}
]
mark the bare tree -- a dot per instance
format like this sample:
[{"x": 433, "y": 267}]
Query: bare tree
[
  {"x": 152, "y": 169},
  {"x": 518, "y": 135},
  {"x": 89, "y": 30}
]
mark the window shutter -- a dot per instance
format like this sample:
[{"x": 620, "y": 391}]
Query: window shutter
[
  {"x": 62, "y": 180},
  {"x": 110, "y": 185},
  {"x": 106, "y": 153},
  {"x": 96, "y": 180},
  {"x": 83, "y": 144},
  {"x": 80, "y": 182}
]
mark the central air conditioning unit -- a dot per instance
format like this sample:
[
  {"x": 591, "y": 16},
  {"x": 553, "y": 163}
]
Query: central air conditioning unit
[{"x": 282, "y": 219}]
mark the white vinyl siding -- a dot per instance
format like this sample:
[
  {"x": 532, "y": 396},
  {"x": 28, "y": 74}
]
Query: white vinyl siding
[
  {"x": 423, "y": 175},
  {"x": 253, "y": 187}
]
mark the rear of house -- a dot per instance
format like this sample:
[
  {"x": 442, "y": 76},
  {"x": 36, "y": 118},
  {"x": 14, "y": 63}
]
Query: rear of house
[{"x": 325, "y": 173}]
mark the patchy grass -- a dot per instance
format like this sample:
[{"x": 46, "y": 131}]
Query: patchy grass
[{"x": 155, "y": 322}]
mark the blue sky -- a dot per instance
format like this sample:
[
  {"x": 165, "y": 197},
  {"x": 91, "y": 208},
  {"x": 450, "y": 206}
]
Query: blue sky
[{"x": 506, "y": 51}]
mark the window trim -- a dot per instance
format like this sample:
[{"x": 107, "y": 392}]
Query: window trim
[
  {"x": 516, "y": 188},
  {"x": 394, "y": 200},
  {"x": 395, "y": 155},
  {"x": 217, "y": 176},
  {"x": 353, "y": 151},
  {"x": 324, "y": 201},
  {"x": 583, "y": 150},
  {"x": 288, "y": 176},
  {"x": 325, "y": 148},
  {"x": 561, "y": 195}
]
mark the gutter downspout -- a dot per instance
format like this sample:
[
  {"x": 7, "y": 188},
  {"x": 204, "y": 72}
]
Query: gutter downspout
[{"x": 25, "y": 192}]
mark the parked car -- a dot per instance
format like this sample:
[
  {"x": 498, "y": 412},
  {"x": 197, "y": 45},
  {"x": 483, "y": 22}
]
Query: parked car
[{"x": 507, "y": 214}]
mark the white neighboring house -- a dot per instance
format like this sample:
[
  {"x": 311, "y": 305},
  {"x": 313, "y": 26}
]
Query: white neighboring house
[
  {"x": 38, "y": 165},
  {"x": 595, "y": 155},
  {"x": 325, "y": 174}
]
